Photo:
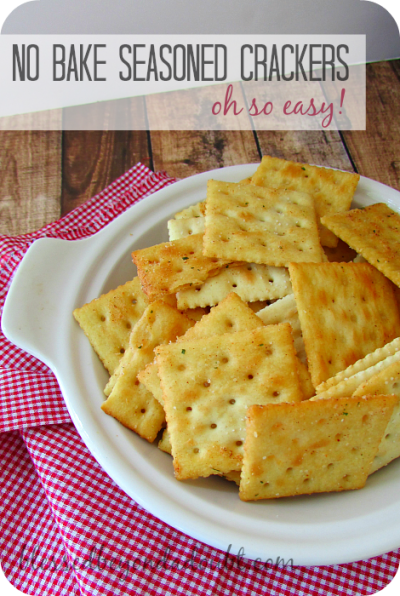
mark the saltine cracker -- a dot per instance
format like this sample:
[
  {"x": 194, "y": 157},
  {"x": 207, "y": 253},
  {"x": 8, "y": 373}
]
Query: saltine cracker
[
  {"x": 249, "y": 281},
  {"x": 346, "y": 311},
  {"x": 312, "y": 447},
  {"x": 172, "y": 266},
  {"x": 331, "y": 190},
  {"x": 230, "y": 316},
  {"x": 129, "y": 401},
  {"x": 108, "y": 321},
  {"x": 374, "y": 232},
  {"x": 209, "y": 383},
  {"x": 260, "y": 225}
]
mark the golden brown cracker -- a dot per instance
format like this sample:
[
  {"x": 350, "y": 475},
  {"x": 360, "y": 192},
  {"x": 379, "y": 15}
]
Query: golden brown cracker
[
  {"x": 312, "y": 447},
  {"x": 230, "y": 316},
  {"x": 331, "y": 190},
  {"x": 165, "y": 445},
  {"x": 260, "y": 225},
  {"x": 167, "y": 268},
  {"x": 129, "y": 401},
  {"x": 208, "y": 385},
  {"x": 107, "y": 321},
  {"x": 346, "y": 311},
  {"x": 374, "y": 232}
]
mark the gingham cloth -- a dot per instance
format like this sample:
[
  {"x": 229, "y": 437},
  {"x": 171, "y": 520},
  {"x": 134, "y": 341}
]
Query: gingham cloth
[{"x": 66, "y": 528}]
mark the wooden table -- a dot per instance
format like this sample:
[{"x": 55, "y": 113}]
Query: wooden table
[{"x": 43, "y": 175}]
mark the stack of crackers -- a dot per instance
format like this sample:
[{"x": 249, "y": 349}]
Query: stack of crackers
[{"x": 262, "y": 342}]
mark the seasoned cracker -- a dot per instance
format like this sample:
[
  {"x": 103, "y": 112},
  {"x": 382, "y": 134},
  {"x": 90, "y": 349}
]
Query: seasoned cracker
[
  {"x": 346, "y": 311},
  {"x": 260, "y": 225},
  {"x": 129, "y": 401},
  {"x": 167, "y": 268},
  {"x": 140, "y": 331},
  {"x": 312, "y": 447},
  {"x": 383, "y": 382},
  {"x": 199, "y": 209},
  {"x": 374, "y": 232},
  {"x": 209, "y": 383},
  {"x": 249, "y": 281},
  {"x": 331, "y": 190},
  {"x": 230, "y": 316},
  {"x": 107, "y": 321}
]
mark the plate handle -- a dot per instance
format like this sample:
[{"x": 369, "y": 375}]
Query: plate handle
[{"x": 38, "y": 295}]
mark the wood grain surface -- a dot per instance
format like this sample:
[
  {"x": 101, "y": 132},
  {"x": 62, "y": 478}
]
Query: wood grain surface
[
  {"x": 376, "y": 151},
  {"x": 44, "y": 174},
  {"x": 92, "y": 159},
  {"x": 30, "y": 180},
  {"x": 186, "y": 153},
  {"x": 324, "y": 148}
]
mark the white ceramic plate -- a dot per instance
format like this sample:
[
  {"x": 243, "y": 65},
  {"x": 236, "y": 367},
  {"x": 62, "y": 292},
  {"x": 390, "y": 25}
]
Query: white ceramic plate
[{"x": 56, "y": 276}]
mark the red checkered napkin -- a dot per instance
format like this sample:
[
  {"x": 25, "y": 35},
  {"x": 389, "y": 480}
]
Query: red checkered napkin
[{"x": 66, "y": 528}]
